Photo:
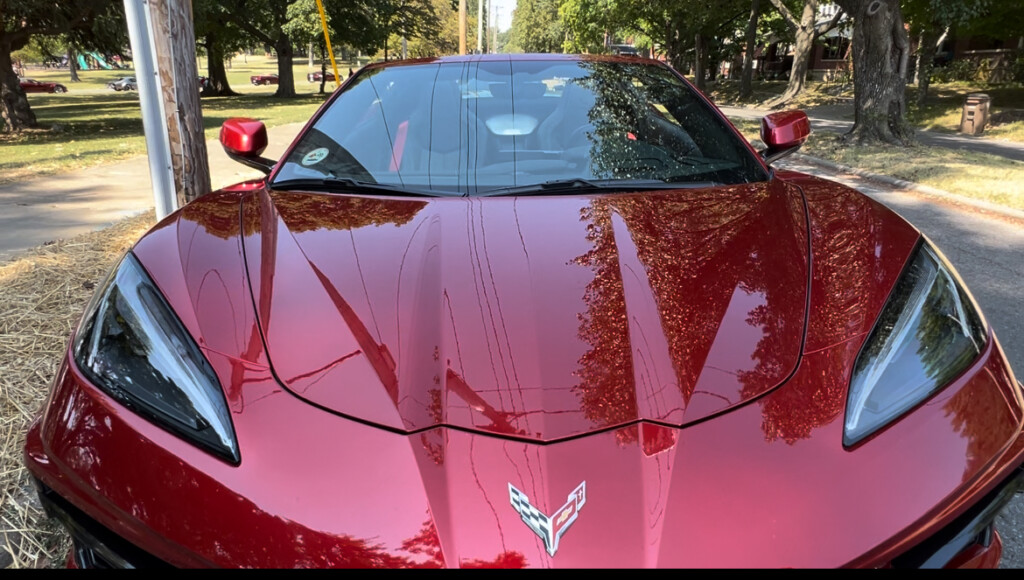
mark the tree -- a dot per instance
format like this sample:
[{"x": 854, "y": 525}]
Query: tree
[
  {"x": 446, "y": 41},
  {"x": 304, "y": 27},
  {"x": 219, "y": 37},
  {"x": 265, "y": 21},
  {"x": 881, "y": 53},
  {"x": 806, "y": 31},
  {"x": 536, "y": 27},
  {"x": 931, "y": 22},
  {"x": 408, "y": 18},
  {"x": 21, "y": 20},
  {"x": 587, "y": 23},
  {"x": 746, "y": 80}
]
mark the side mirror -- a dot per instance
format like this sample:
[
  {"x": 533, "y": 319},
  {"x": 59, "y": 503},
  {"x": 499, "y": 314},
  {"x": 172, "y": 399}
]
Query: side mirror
[
  {"x": 783, "y": 133},
  {"x": 244, "y": 141}
]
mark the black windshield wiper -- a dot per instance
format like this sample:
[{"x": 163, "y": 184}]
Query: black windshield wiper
[
  {"x": 581, "y": 185},
  {"x": 349, "y": 185}
]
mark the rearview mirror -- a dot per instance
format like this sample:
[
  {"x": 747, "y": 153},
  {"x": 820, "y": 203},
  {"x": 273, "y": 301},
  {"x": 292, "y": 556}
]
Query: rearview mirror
[
  {"x": 783, "y": 133},
  {"x": 244, "y": 141}
]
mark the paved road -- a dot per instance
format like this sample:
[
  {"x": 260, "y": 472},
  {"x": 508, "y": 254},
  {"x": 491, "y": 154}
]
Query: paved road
[
  {"x": 836, "y": 119},
  {"x": 61, "y": 206},
  {"x": 989, "y": 255}
]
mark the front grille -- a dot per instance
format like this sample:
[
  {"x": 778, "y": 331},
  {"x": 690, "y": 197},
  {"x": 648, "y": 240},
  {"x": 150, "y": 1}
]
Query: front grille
[{"x": 95, "y": 546}]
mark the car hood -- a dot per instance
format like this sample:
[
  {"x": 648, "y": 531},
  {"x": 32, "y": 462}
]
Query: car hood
[{"x": 532, "y": 317}]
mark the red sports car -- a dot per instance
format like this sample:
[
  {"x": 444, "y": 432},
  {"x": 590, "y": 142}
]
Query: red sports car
[
  {"x": 34, "y": 86},
  {"x": 315, "y": 77},
  {"x": 263, "y": 79},
  {"x": 530, "y": 310}
]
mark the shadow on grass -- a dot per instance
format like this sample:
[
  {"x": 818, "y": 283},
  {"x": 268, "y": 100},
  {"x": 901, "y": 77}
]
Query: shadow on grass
[{"x": 93, "y": 117}]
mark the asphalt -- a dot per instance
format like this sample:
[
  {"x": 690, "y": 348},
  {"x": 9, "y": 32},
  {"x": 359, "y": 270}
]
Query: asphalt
[
  {"x": 987, "y": 251},
  {"x": 839, "y": 119}
]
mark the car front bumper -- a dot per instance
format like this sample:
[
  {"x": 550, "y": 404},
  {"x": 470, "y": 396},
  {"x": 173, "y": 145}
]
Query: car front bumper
[{"x": 767, "y": 484}]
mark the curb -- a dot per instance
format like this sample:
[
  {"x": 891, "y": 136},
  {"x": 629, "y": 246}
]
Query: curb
[{"x": 985, "y": 206}]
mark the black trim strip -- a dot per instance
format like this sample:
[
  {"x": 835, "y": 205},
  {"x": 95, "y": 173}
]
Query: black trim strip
[
  {"x": 96, "y": 546},
  {"x": 970, "y": 528}
]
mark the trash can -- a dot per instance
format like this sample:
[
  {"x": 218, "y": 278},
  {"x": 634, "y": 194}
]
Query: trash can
[{"x": 975, "y": 114}]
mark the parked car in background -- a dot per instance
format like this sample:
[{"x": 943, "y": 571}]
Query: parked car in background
[
  {"x": 263, "y": 79},
  {"x": 315, "y": 77},
  {"x": 34, "y": 86},
  {"x": 203, "y": 82},
  {"x": 124, "y": 84}
]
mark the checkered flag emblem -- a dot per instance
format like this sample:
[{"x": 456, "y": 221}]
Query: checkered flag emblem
[{"x": 550, "y": 529}]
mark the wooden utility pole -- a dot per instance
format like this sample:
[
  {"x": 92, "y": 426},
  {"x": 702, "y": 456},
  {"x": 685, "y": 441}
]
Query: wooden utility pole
[
  {"x": 164, "y": 42},
  {"x": 462, "y": 26},
  {"x": 174, "y": 40}
]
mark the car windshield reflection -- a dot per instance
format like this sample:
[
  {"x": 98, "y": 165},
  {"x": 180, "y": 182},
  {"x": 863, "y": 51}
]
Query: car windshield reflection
[{"x": 476, "y": 128}]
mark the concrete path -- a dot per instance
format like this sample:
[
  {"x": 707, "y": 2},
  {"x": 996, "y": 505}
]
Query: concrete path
[
  {"x": 67, "y": 204},
  {"x": 835, "y": 119}
]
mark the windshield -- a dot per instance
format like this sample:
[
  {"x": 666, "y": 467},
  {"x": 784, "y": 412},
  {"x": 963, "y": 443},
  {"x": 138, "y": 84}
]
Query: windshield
[{"x": 467, "y": 128}]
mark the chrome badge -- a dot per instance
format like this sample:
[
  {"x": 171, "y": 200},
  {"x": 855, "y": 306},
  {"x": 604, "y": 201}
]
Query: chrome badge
[{"x": 550, "y": 529}]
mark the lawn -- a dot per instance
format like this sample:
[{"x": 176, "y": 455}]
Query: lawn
[
  {"x": 91, "y": 124},
  {"x": 975, "y": 175},
  {"x": 940, "y": 113}
]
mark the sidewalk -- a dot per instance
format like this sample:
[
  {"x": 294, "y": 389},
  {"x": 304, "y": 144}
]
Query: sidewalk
[
  {"x": 67, "y": 204},
  {"x": 836, "y": 119}
]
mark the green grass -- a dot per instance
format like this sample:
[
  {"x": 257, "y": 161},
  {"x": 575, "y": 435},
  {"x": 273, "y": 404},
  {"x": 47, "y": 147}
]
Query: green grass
[
  {"x": 941, "y": 111},
  {"x": 975, "y": 175},
  {"x": 91, "y": 126},
  {"x": 241, "y": 68}
]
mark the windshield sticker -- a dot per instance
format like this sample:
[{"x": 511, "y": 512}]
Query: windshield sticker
[{"x": 315, "y": 156}]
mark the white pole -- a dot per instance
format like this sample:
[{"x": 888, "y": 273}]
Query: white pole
[
  {"x": 158, "y": 144},
  {"x": 480, "y": 27}
]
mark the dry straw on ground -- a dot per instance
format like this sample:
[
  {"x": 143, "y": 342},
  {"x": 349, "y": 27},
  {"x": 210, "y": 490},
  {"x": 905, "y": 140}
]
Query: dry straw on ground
[{"x": 42, "y": 294}]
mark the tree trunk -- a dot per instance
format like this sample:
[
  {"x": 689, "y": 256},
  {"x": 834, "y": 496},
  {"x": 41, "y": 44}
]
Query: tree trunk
[
  {"x": 309, "y": 52},
  {"x": 880, "y": 57},
  {"x": 802, "y": 52},
  {"x": 385, "y": 48},
  {"x": 672, "y": 49},
  {"x": 746, "y": 81},
  {"x": 925, "y": 62},
  {"x": 217, "y": 76},
  {"x": 72, "y": 65},
  {"x": 699, "y": 74},
  {"x": 323, "y": 68},
  {"x": 14, "y": 105},
  {"x": 285, "y": 78}
]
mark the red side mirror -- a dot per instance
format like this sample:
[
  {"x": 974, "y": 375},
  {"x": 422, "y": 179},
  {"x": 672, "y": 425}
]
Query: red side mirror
[
  {"x": 244, "y": 137},
  {"x": 784, "y": 133},
  {"x": 244, "y": 141}
]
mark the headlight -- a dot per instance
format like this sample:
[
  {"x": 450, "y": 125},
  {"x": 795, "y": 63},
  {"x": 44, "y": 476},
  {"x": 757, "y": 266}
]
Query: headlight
[
  {"x": 928, "y": 333},
  {"x": 131, "y": 345}
]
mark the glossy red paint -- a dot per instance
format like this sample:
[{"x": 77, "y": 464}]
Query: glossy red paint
[
  {"x": 768, "y": 484},
  {"x": 452, "y": 347},
  {"x": 785, "y": 129},
  {"x": 539, "y": 317},
  {"x": 244, "y": 137},
  {"x": 34, "y": 86}
]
